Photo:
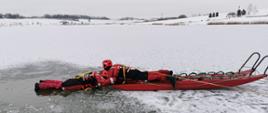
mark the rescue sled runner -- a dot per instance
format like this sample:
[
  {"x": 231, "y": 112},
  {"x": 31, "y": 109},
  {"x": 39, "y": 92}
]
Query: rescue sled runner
[{"x": 184, "y": 81}]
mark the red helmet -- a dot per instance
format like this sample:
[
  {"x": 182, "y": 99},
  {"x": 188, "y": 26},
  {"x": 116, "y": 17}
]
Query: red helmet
[{"x": 107, "y": 64}]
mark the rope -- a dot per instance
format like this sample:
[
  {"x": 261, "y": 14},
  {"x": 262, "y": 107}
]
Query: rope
[
  {"x": 208, "y": 83},
  {"x": 247, "y": 67},
  {"x": 228, "y": 87}
]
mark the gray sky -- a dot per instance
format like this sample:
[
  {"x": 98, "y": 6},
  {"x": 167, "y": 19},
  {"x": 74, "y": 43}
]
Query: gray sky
[{"x": 123, "y": 8}]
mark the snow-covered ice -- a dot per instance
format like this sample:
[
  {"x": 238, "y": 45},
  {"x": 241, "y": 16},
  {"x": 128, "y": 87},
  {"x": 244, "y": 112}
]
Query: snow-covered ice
[{"x": 149, "y": 47}]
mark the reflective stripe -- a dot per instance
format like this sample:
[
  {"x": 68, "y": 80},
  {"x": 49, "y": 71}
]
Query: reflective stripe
[{"x": 112, "y": 80}]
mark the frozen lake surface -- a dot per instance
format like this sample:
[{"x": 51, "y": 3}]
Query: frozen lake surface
[{"x": 28, "y": 54}]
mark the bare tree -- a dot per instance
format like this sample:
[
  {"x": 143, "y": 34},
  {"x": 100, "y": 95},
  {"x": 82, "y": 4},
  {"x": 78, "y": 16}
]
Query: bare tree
[{"x": 252, "y": 9}]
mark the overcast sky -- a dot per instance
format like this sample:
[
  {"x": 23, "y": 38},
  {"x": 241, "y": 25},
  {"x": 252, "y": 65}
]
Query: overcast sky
[{"x": 123, "y": 8}]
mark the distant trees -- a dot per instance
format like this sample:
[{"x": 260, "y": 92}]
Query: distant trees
[
  {"x": 72, "y": 17},
  {"x": 214, "y": 14},
  {"x": 238, "y": 13},
  {"x": 131, "y": 18},
  {"x": 166, "y": 18},
  {"x": 128, "y": 18},
  {"x": 56, "y": 16},
  {"x": 241, "y": 12},
  {"x": 69, "y": 17},
  {"x": 251, "y": 9},
  {"x": 217, "y": 14},
  {"x": 11, "y": 16},
  {"x": 182, "y": 16},
  {"x": 170, "y": 18},
  {"x": 231, "y": 14}
]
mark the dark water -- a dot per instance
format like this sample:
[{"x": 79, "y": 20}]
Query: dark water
[{"x": 17, "y": 94}]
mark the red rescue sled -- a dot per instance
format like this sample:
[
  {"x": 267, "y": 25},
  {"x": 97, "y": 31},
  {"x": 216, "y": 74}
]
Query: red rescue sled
[{"x": 194, "y": 81}]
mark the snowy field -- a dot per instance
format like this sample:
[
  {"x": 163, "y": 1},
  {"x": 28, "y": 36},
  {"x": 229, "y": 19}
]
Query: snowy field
[
  {"x": 28, "y": 54},
  {"x": 58, "y": 22}
]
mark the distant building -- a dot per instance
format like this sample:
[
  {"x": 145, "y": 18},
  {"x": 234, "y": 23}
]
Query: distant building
[
  {"x": 217, "y": 14},
  {"x": 210, "y": 15},
  {"x": 214, "y": 14},
  {"x": 243, "y": 12},
  {"x": 239, "y": 13}
]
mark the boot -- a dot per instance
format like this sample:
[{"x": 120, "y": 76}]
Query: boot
[
  {"x": 50, "y": 81},
  {"x": 36, "y": 87},
  {"x": 48, "y": 85},
  {"x": 172, "y": 80},
  {"x": 156, "y": 75}
]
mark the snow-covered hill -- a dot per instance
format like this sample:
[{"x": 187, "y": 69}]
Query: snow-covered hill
[{"x": 260, "y": 17}]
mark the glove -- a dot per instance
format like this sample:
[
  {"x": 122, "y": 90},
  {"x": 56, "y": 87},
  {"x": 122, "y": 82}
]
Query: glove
[{"x": 84, "y": 75}]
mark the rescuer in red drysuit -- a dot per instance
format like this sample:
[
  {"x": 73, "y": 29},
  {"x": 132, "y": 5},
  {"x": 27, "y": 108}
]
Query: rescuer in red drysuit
[
  {"x": 81, "y": 81},
  {"x": 119, "y": 74},
  {"x": 112, "y": 74}
]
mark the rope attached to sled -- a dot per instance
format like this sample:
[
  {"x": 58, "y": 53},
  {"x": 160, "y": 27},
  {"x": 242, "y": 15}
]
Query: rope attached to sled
[{"x": 228, "y": 87}]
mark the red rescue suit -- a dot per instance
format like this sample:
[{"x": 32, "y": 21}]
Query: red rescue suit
[{"x": 119, "y": 74}]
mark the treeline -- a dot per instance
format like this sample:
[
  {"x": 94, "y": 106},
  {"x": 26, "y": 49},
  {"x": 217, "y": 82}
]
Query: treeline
[
  {"x": 241, "y": 12},
  {"x": 214, "y": 14},
  {"x": 11, "y": 16},
  {"x": 170, "y": 18},
  {"x": 54, "y": 16},
  {"x": 166, "y": 18},
  {"x": 73, "y": 17}
]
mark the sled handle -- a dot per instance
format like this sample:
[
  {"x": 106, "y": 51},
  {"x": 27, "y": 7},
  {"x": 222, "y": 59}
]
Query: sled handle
[
  {"x": 253, "y": 67},
  {"x": 260, "y": 63},
  {"x": 192, "y": 74},
  {"x": 211, "y": 73},
  {"x": 265, "y": 71},
  {"x": 202, "y": 73},
  {"x": 185, "y": 74},
  {"x": 181, "y": 74},
  {"x": 220, "y": 73}
]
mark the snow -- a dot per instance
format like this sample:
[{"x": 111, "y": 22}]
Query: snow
[
  {"x": 28, "y": 22},
  {"x": 180, "y": 48},
  {"x": 199, "y": 20},
  {"x": 204, "y": 20},
  {"x": 57, "y": 22},
  {"x": 259, "y": 17},
  {"x": 139, "y": 45}
]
